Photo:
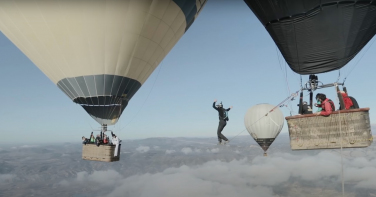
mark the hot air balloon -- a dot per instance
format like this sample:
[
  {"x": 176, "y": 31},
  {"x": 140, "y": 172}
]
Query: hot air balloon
[
  {"x": 318, "y": 36},
  {"x": 98, "y": 52},
  {"x": 264, "y": 122}
]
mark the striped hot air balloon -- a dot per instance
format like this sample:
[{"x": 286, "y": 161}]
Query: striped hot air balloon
[{"x": 98, "y": 52}]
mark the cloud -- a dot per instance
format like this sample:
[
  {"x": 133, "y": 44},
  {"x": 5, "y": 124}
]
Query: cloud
[
  {"x": 188, "y": 181},
  {"x": 203, "y": 171},
  {"x": 257, "y": 177},
  {"x": 170, "y": 151},
  {"x": 156, "y": 147},
  {"x": 143, "y": 149},
  {"x": 24, "y": 146},
  {"x": 6, "y": 177},
  {"x": 106, "y": 178},
  {"x": 254, "y": 146},
  {"x": 186, "y": 150},
  {"x": 111, "y": 177},
  {"x": 213, "y": 150},
  {"x": 362, "y": 171},
  {"x": 373, "y": 128},
  {"x": 64, "y": 183},
  {"x": 28, "y": 146}
]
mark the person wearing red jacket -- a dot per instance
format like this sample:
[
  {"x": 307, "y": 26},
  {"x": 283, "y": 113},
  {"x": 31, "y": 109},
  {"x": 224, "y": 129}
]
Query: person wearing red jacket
[
  {"x": 327, "y": 105},
  {"x": 347, "y": 100}
]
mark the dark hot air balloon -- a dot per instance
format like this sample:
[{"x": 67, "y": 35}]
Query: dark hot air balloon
[{"x": 317, "y": 36}]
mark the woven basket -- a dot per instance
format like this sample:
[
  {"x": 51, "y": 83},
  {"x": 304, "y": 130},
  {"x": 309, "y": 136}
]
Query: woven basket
[
  {"x": 320, "y": 132},
  {"x": 101, "y": 153}
]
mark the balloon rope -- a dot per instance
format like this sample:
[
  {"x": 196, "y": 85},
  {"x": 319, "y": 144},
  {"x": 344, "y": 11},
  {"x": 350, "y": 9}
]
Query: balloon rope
[
  {"x": 89, "y": 124},
  {"x": 274, "y": 121},
  {"x": 284, "y": 101},
  {"x": 360, "y": 58},
  {"x": 160, "y": 67},
  {"x": 252, "y": 124},
  {"x": 284, "y": 73},
  {"x": 237, "y": 135},
  {"x": 342, "y": 176},
  {"x": 339, "y": 75},
  {"x": 340, "y": 133}
]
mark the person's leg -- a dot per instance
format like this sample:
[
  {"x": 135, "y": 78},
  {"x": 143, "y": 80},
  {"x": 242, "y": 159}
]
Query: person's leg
[
  {"x": 222, "y": 136},
  {"x": 221, "y": 125}
]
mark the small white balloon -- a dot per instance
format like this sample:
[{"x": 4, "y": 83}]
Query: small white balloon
[{"x": 263, "y": 124}]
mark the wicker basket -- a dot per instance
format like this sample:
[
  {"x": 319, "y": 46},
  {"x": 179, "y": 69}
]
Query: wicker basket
[
  {"x": 101, "y": 153},
  {"x": 320, "y": 132}
]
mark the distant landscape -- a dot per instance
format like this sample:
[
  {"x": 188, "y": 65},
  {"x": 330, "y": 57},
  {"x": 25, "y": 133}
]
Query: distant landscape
[{"x": 187, "y": 167}]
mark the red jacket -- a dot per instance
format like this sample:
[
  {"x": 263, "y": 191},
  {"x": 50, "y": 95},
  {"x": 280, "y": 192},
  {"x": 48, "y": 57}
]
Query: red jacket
[
  {"x": 326, "y": 108},
  {"x": 347, "y": 101}
]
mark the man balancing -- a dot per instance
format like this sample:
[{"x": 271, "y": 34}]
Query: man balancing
[{"x": 223, "y": 118}]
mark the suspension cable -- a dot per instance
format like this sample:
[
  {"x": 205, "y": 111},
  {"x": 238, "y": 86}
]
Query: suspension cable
[
  {"x": 160, "y": 68},
  {"x": 360, "y": 58},
  {"x": 284, "y": 71},
  {"x": 339, "y": 75},
  {"x": 340, "y": 133},
  {"x": 344, "y": 80}
]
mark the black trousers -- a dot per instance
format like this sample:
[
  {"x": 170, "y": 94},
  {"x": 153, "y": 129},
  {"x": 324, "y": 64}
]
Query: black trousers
[{"x": 221, "y": 125}]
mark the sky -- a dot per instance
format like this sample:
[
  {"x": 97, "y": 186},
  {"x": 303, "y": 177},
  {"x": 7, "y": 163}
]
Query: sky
[{"x": 226, "y": 54}]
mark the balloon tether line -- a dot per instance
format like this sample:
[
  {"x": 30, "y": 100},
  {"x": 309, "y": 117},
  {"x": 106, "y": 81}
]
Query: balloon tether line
[
  {"x": 160, "y": 67},
  {"x": 340, "y": 133},
  {"x": 359, "y": 60}
]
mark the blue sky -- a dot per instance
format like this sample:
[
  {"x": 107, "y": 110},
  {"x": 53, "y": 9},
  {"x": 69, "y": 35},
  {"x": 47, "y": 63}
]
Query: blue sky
[{"x": 226, "y": 55}]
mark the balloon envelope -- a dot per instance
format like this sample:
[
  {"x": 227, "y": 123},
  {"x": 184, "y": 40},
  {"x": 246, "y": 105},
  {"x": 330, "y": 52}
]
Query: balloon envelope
[
  {"x": 317, "y": 36},
  {"x": 98, "y": 52},
  {"x": 264, "y": 128}
]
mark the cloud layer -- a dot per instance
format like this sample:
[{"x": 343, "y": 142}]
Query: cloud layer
[
  {"x": 174, "y": 167},
  {"x": 143, "y": 149},
  {"x": 259, "y": 177}
]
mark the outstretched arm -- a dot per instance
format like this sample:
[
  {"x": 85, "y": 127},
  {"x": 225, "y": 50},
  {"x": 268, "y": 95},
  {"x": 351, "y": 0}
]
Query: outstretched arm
[
  {"x": 228, "y": 109},
  {"x": 214, "y": 104}
]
